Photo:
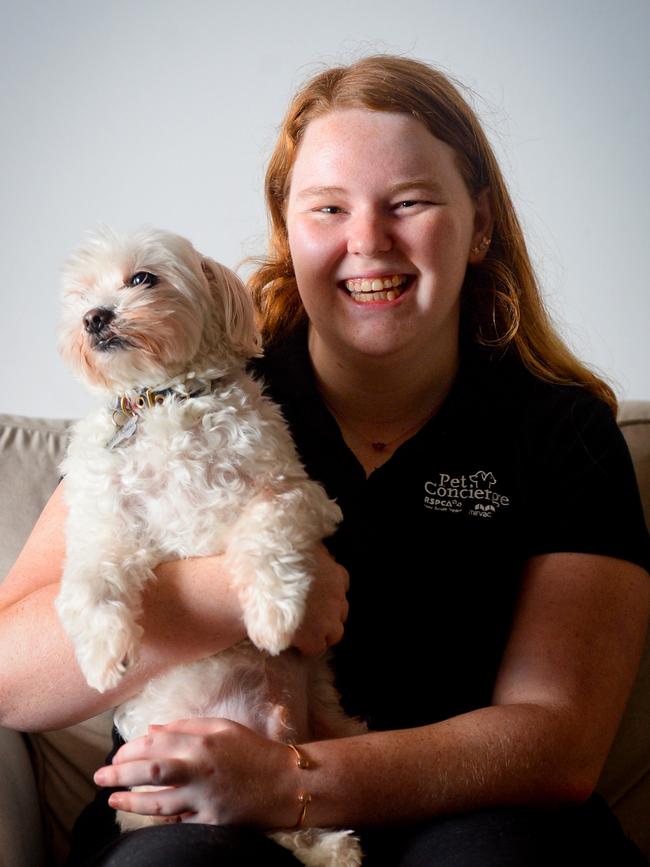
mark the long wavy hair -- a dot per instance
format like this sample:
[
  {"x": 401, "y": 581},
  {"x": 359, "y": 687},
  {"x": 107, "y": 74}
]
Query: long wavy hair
[{"x": 501, "y": 303}]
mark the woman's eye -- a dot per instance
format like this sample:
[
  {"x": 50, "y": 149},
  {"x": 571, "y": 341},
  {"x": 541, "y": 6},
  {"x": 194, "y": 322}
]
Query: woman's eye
[
  {"x": 329, "y": 209},
  {"x": 408, "y": 203},
  {"x": 143, "y": 278}
]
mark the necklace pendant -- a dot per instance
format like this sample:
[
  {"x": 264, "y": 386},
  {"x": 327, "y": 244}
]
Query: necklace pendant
[{"x": 378, "y": 447}]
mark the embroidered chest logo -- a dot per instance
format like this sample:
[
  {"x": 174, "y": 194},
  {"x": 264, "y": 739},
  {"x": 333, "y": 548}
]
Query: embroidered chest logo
[{"x": 476, "y": 495}]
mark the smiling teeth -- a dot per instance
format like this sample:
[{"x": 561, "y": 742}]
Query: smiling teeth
[
  {"x": 376, "y": 289},
  {"x": 377, "y": 284}
]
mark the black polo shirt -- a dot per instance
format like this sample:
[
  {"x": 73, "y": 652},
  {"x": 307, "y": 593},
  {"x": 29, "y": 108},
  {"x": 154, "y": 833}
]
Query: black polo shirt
[{"x": 435, "y": 539}]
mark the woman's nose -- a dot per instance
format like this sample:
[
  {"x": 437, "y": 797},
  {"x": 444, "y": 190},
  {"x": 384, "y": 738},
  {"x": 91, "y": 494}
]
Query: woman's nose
[{"x": 368, "y": 235}]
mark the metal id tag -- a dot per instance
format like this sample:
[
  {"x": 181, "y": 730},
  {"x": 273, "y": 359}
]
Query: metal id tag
[{"x": 123, "y": 433}]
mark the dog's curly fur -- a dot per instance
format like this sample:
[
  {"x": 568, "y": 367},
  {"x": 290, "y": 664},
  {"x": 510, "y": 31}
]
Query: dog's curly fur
[{"x": 208, "y": 468}]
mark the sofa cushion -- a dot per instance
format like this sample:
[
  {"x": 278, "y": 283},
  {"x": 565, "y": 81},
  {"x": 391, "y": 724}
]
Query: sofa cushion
[{"x": 20, "y": 817}]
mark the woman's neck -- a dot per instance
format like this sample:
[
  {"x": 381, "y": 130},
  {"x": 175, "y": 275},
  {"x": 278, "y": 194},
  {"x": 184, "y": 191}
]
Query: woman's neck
[{"x": 381, "y": 399}]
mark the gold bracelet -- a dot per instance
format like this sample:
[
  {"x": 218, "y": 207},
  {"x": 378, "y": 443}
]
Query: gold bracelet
[
  {"x": 301, "y": 760},
  {"x": 304, "y": 798}
]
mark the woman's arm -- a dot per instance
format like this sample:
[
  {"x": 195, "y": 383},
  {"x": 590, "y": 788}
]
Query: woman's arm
[
  {"x": 190, "y": 612},
  {"x": 570, "y": 664},
  {"x": 41, "y": 686},
  {"x": 566, "y": 674}
]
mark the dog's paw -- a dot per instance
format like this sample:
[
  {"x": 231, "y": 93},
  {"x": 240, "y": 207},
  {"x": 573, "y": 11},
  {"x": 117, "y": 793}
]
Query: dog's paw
[
  {"x": 273, "y": 605},
  {"x": 269, "y": 628},
  {"x": 317, "y": 847},
  {"x": 134, "y": 821},
  {"x": 108, "y": 647},
  {"x": 103, "y": 677}
]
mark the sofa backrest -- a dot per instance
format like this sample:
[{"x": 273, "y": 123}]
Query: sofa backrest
[{"x": 31, "y": 450}]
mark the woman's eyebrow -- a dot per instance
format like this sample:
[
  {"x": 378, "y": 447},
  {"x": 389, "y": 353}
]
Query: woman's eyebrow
[
  {"x": 319, "y": 191},
  {"x": 427, "y": 184}
]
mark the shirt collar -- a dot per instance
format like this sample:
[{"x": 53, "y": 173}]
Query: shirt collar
[{"x": 288, "y": 367}]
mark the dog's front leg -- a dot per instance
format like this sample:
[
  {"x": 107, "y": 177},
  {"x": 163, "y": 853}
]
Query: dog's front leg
[
  {"x": 99, "y": 605},
  {"x": 269, "y": 552}
]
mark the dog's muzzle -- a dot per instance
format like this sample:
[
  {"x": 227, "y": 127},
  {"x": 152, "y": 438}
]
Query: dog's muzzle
[
  {"x": 97, "y": 320},
  {"x": 97, "y": 324}
]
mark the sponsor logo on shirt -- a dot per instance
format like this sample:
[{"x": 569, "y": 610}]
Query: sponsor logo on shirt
[{"x": 476, "y": 494}]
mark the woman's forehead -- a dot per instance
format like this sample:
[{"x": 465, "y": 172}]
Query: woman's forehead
[{"x": 353, "y": 145}]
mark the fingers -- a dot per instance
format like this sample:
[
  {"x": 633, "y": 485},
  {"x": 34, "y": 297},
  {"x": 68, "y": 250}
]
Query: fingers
[
  {"x": 195, "y": 726},
  {"x": 153, "y": 746},
  {"x": 167, "y": 772},
  {"x": 327, "y": 564},
  {"x": 334, "y": 635},
  {"x": 195, "y": 767},
  {"x": 327, "y": 606},
  {"x": 164, "y": 802},
  {"x": 166, "y": 756},
  {"x": 313, "y": 640},
  {"x": 173, "y": 739},
  {"x": 314, "y": 646}
]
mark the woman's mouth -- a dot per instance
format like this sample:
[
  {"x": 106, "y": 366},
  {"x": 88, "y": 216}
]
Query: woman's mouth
[{"x": 366, "y": 289}]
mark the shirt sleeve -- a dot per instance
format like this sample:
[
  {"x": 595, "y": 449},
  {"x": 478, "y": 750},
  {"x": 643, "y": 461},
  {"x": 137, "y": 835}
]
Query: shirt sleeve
[{"x": 583, "y": 494}]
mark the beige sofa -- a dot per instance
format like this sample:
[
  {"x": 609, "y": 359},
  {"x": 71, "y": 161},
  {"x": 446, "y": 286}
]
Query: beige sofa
[{"x": 45, "y": 778}]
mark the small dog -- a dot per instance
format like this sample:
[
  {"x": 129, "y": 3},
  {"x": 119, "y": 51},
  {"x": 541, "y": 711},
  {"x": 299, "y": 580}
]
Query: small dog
[{"x": 188, "y": 458}]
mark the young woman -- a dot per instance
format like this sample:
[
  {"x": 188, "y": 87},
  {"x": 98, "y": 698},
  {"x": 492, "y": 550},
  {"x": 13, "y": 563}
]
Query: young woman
[{"x": 493, "y": 536}]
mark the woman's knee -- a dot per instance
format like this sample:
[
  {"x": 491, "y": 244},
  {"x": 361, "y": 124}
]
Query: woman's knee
[
  {"x": 188, "y": 845},
  {"x": 565, "y": 837}
]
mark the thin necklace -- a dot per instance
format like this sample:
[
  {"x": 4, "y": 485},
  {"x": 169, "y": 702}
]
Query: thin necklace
[{"x": 379, "y": 445}]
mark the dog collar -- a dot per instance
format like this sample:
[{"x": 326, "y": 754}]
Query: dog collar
[
  {"x": 127, "y": 409},
  {"x": 126, "y": 406}
]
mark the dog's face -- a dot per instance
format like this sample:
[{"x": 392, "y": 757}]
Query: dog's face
[{"x": 144, "y": 308}]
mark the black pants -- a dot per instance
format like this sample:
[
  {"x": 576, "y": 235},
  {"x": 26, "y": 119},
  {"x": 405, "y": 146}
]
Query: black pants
[{"x": 586, "y": 835}]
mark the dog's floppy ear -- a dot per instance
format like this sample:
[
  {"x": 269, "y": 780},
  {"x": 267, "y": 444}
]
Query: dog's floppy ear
[{"x": 239, "y": 312}]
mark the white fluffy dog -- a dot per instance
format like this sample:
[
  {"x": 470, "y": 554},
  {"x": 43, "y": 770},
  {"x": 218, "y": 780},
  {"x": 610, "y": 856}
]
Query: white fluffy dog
[{"x": 188, "y": 458}]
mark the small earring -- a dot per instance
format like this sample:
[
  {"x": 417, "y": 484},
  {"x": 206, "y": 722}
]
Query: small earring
[{"x": 485, "y": 243}]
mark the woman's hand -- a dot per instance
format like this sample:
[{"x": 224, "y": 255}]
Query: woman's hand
[
  {"x": 212, "y": 771},
  {"x": 327, "y": 607}
]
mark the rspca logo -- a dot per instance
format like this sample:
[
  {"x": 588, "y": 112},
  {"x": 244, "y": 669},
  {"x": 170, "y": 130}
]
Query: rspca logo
[{"x": 476, "y": 494}]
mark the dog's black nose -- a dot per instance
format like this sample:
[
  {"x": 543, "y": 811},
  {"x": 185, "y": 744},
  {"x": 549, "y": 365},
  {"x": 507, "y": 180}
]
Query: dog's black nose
[{"x": 97, "y": 319}]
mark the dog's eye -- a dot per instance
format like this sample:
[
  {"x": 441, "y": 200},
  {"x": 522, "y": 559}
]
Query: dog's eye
[{"x": 143, "y": 278}]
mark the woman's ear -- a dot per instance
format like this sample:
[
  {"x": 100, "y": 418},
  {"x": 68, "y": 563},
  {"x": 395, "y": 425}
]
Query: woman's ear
[
  {"x": 238, "y": 322},
  {"x": 483, "y": 227}
]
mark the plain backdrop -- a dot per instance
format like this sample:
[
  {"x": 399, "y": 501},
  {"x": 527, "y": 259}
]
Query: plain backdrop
[{"x": 164, "y": 112}]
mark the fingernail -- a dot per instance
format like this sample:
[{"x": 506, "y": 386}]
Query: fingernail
[
  {"x": 115, "y": 801},
  {"x": 100, "y": 777}
]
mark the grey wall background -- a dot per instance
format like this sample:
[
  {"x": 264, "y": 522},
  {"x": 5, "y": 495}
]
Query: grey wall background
[{"x": 164, "y": 112}]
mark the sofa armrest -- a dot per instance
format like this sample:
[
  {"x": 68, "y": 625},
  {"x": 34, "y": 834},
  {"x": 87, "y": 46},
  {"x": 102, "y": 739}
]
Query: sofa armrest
[{"x": 21, "y": 833}]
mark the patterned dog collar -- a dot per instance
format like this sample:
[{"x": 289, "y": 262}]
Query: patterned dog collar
[{"x": 127, "y": 410}]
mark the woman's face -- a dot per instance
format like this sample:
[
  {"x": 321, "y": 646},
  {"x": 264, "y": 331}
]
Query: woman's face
[{"x": 381, "y": 228}]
